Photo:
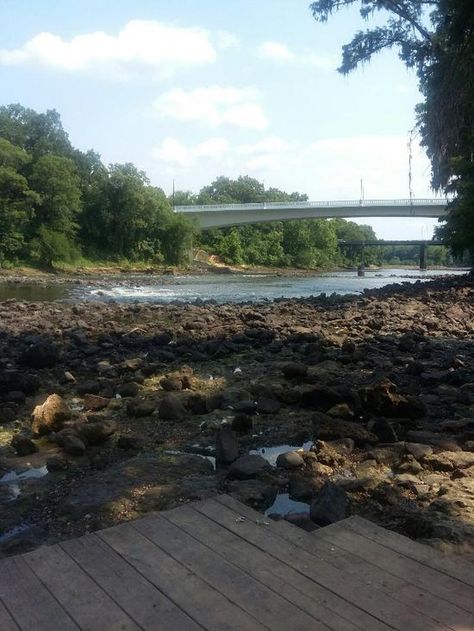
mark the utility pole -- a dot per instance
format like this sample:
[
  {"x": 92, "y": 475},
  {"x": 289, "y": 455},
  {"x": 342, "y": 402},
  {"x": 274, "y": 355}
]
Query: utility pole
[
  {"x": 173, "y": 194},
  {"x": 410, "y": 160}
]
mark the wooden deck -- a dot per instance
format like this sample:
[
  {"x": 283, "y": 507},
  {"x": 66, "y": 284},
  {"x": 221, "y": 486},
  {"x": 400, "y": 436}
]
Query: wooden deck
[{"x": 219, "y": 565}]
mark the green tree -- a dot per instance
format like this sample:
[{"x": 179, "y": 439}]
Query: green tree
[
  {"x": 16, "y": 200},
  {"x": 436, "y": 37},
  {"x": 36, "y": 133},
  {"x": 56, "y": 180}
]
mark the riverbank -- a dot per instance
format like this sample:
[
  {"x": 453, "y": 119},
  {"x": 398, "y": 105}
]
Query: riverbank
[{"x": 378, "y": 388}]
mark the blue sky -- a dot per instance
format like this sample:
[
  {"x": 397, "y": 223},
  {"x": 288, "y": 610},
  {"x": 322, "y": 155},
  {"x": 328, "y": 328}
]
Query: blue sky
[{"x": 193, "y": 89}]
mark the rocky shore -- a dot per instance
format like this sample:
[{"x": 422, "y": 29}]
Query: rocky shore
[{"x": 312, "y": 409}]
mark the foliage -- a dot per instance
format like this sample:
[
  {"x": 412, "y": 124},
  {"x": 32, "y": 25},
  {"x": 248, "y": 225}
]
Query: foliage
[
  {"x": 57, "y": 202},
  {"x": 436, "y": 37}
]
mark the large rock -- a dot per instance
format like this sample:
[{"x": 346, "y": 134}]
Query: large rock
[
  {"x": 129, "y": 389},
  {"x": 382, "y": 399},
  {"x": 73, "y": 445},
  {"x": 330, "y": 505},
  {"x": 41, "y": 354},
  {"x": 50, "y": 416},
  {"x": 327, "y": 428},
  {"x": 450, "y": 460},
  {"x": 97, "y": 432},
  {"x": 94, "y": 402},
  {"x": 289, "y": 460},
  {"x": 227, "y": 447},
  {"x": 171, "y": 384},
  {"x": 247, "y": 467},
  {"x": 140, "y": 407},
  {"x": 171, "y": 408},
  {"x": 23, "y": 445}
]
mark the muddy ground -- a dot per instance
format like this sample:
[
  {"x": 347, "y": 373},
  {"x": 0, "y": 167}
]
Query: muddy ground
[{"x": 134, "y": 399}]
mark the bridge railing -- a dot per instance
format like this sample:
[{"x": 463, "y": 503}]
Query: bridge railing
[{"x": 318, "y": 204}]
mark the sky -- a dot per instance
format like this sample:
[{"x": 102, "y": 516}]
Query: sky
[{"x": 193, "y": 89}]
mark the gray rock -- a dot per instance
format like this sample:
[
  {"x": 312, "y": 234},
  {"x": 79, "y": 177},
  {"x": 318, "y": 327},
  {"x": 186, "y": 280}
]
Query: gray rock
[
  {"x": 268, "y": 405},
  {"x": 140, "y": 407},
  {"x": 23, "y": 445},
  {"x": 294, "y": 370},
  {"x": 171, "y": 384},
  {"x": 300, "y": 489},
  {"x": 73, "y": 445},
  {"x": 227, "y": 447},
  {"x": 98, "y": 432},
  {"x": 130, "y": 389},
  {"x": 247, "y": 467},
  {"x": 56, "y": 463},
  {"x": 330, "y": 505},
  {"x": 418, "y": 450},
  {"x": 171, "y": 408},
  {"x": 289, "y": 460}
]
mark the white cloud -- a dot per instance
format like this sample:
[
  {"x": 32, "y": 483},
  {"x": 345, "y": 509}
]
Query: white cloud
[
  {"x": 173, "y": 152},
  {"x": 227, "y": 40},
  {"x": 143, "y": 43},
  {"x": 329, "y": 168},
  {"x": 326, "y": 169},
  {"x": 214, "y": 106},
  {"x": 276, "y": 51}
]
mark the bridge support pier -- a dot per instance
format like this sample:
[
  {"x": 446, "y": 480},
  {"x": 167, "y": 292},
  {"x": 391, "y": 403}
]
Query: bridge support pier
[{"x": 423, "y": 256}]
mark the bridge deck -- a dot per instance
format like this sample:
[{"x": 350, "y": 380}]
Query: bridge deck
[{"x": 219, "y": 565}]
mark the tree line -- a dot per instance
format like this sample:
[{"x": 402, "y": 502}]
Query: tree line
[
  {"x": 58, "y": 203},
  {"x": 61, "y": 205}
]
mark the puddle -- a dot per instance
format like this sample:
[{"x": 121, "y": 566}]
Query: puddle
[
  {"x": 12, "y": 480},
  {"x": 283, "y": 505},
  {"x": 271, "y": 453}
]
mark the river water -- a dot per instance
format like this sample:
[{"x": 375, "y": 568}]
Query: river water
[{"x": 219, "y": 287}]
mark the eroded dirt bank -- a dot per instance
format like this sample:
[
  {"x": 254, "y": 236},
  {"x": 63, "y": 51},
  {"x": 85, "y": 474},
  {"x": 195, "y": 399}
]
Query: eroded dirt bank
[{"x": 381, "y": 386}]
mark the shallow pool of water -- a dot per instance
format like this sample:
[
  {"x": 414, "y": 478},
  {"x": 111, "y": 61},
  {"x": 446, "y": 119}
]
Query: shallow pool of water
[
  {"x": 271, "y": 453},
  {"x": 283, "y": 505},
  {"x": 12, "y": 480}
]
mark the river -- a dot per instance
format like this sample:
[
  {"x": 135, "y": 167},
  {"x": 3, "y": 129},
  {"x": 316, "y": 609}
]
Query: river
[{"x": 219, "y": 287}]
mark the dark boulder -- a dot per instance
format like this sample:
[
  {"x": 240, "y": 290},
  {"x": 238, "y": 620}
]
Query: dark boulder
[
  {"x": 247, "y": 467},
  {"x": 171, "y": 408},
  {"x": 41, "y": 354},
  {"x": 330, "y": 505},
  {"x": 23, "y": 445},
  {"x": 227, "y": 447}
]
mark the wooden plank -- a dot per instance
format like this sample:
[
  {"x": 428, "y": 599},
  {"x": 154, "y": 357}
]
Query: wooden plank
[
  {"x": 239, "y": 587},
  {"x": 81, "y": 597},
  {"x": 206, "y": 606},
  {"x": 29, "y": 602},
  {"x": 6, "y": 621},
  {"x": 407, "y": 585},
  {"x": 316, "y": 601},
  {"x": 348, "y": 586},
  {"x": 452, "y": 565},
  {"x": 143, "y": 602},
  {"x": 425, "y": 578}
]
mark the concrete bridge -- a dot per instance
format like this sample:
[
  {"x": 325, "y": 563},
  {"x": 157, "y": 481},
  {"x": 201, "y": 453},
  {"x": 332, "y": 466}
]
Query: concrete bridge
[
  {"x": 224, "y": 215},
  {"x": 421, "y": 244}
]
